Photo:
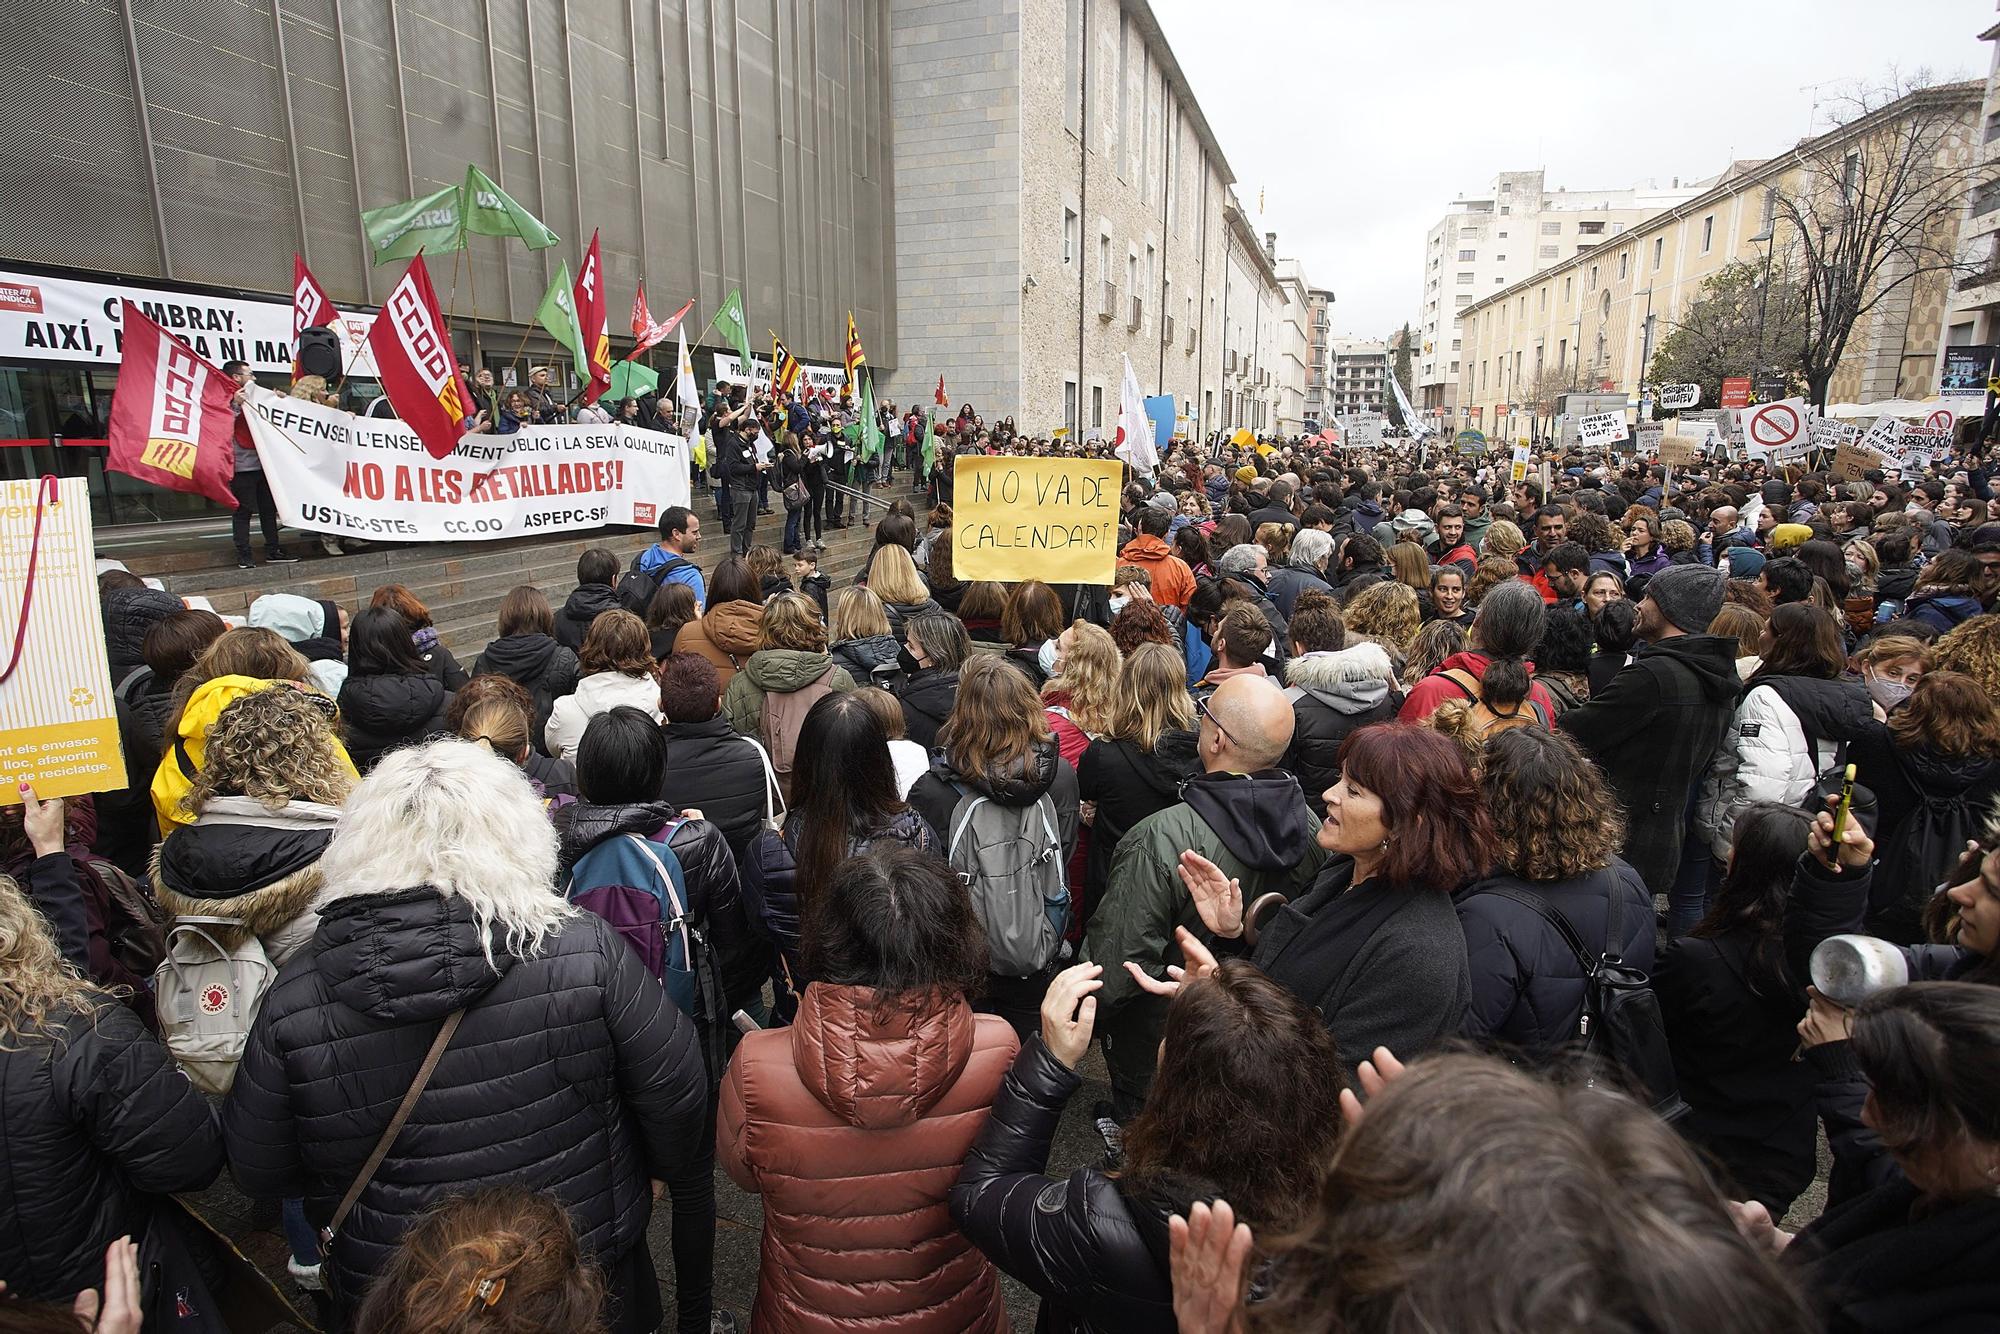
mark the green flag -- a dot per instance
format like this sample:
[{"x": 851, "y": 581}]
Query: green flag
[
  {"x": 729, "y": 320},
  {"x": 871, "y": 424},
  {"x": 629, "y": 380},
  {"x": 930, "y": 441},
  {"x": 557, "y": 313},
  {"x": 432, "y": 223},
  {"x": 490, "y": 211}
]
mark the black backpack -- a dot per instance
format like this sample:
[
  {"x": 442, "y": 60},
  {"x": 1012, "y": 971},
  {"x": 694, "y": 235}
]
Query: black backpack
[
  {"x": 635, "y": 591},
  {"x": 1621, "y": 1023}
]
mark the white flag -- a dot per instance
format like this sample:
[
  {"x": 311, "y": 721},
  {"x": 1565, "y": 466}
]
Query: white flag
[{"x": 1134, "y": 441}]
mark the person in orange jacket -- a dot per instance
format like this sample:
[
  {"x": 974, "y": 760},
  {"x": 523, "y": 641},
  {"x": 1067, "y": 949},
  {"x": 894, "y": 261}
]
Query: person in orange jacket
[{"x": 1173, "y": 582}]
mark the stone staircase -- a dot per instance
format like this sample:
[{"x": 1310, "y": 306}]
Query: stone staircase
[{"x": 461, "y": 582}]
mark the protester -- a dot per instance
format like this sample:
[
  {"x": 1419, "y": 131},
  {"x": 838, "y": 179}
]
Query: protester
[
  {"x": 859, "y": 630},
  {"x": 1504, "y": 632},
  {"x": 726, "y": 633},
  {"x": 934, "y": 653},
  {"x": 1081, "y": 693},
  {"x": 710, "y": 766},
  {"x": 911, "y": 760},
  {"x": 1139, "y": 765},
  {"x": 1173, "y": 580},
  {"x": 390, "y": 698},
  {"x": 672, "y": 607},
  {"x": 1029, "y": 624},
  {"x": 617, "y": 668},
  {"x": 1333, "y": 690},
  {"x": 437, "y": 659},
  {"x": 315, "y": 627},
  {"x": 495, "y": 712},
  {"x": 853, "y": 1123},
  {"x": 595, "y": 593},
  {"x": 527, "y": 653},
  {"x": 437, "y": 903},
  {"x": 126, "y": 829}
]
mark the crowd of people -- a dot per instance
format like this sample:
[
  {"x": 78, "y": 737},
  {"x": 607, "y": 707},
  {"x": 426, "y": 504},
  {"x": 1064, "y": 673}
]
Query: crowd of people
[{"x": 1444, "y": 870}]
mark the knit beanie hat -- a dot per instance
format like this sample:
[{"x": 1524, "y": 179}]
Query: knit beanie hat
[
  {"x": 1786, "y": 536},
  {"x": 1744, "y": 561},
  {"x": 1689, "y": 596}
]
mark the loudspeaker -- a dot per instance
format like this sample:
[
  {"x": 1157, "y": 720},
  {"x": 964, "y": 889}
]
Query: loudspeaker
[{"x": 319, "y": 353}]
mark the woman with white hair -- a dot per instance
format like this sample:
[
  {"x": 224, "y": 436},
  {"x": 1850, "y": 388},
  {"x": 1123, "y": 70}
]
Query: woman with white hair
[
  {"x": 1304, "y": 570},
  {"x": 522, "y": 1038}
]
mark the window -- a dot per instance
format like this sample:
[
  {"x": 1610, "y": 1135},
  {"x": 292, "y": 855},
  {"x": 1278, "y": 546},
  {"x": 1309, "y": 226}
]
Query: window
[
  {"x": 1552, "y": 229},
  {"x": 1468, "y": 233},
  {"x": 1467, "y": 256},
  {"x": 1505, "y": 209},
  {"x": 1069, "y": 405},
  {"x": 1770, "y": 209},
  {"x": 1707, "y": 233},
  {"x": 1985, "y": 198},
  {"x": 1073, "y": 65},
  {"x": 1482, "y": 374},
  {"x": 1562, "y": 352},
  {"x": 1546, "y": 252},
  {"x": 1624, "y": 258},
  {"x": 1464, "y": 300},
  {"x": 1104, "y": 258},
  {"x": 1593, "y": 279},
  {"x": 1617, "y": 227},
  {"x": 1097, "y": 405},
  {"x": 1604, "y": 306},
  {"x": 1465, "y": 280},
  {"x": 1070, "y": 221},
  {"x": 1454, "y": 344},
  {"x": 1502, "y": 259},
  {"x": 1454, "y": 368},
  {"x": 1124, "y": 94},
  {"x": 1569, "y": 286},
  {"x": 1590, "y": 229},
  {"x": 1543, "y": 302},
  {"x": 1659, "y": 251}
]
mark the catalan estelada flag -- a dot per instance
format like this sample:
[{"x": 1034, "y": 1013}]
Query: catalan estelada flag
[
  {"x": 784, "y": 367},
  {"x": 855, "y": 358}
]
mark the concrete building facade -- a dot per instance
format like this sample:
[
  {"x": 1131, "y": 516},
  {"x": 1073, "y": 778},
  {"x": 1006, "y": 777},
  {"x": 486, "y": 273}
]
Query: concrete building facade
[
  {"x": 1602, "y": 311},
  {"x": 1294, "y": 368},
  {"x": 1319, "y": 368},
  {"x": 1359, "y": 382},
  {"x": 1517, "y": 227},
  {"x": 1973, "y": 316}
]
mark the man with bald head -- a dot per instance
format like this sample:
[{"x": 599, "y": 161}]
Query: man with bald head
[
  {"x": 1723, "y": 527},
  {"x": 1242, "y": 813}
]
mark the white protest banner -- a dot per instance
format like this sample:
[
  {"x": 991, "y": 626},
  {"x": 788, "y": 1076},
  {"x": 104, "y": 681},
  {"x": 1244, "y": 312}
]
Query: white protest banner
[
  {"x": 1828, "y": 433},
  {"x": 58, "y": 719},
  {"x": 1518, "y": 471},
  {"x": 1602, "y": 428},
  {"x": 1649, "y": 437},
  {"x": 1886, "y": 436},
  {"x": 333, "y": 472},
  {"x": 1362, "y": 430},
  {"x": 1674, "y": 397},
  {"x": 817, "y": 375},
  {"x": 1772, "y": 427},
  {"x": 67, "y": 319}
]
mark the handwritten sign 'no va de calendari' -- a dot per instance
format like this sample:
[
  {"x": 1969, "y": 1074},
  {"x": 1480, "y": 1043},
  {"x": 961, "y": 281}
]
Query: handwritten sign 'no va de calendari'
[{"x": 1050, "y": 519}]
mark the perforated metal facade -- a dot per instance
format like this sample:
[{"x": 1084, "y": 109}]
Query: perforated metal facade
[{"x": 714, "y": 143}]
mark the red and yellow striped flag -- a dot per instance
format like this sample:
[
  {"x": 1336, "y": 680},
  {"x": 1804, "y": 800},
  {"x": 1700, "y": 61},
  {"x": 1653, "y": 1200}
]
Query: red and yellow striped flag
[{"x": 855, "y": 357}]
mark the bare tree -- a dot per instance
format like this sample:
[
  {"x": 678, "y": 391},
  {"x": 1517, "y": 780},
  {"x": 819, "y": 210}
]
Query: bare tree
[
  {"x": 1544, "y": 392},
  {"x": 1873, "y": 208}
]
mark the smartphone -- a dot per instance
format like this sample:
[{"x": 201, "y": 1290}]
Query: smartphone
[{"x": 1846, "y": 804}]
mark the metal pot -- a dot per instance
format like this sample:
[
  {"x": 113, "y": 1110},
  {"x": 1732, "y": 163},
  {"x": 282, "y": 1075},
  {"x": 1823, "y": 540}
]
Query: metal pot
[{"x": 1847, "y": 970}]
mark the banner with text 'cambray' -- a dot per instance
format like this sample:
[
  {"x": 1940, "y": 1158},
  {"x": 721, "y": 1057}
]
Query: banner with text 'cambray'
[{"x": 334, "y": 472}]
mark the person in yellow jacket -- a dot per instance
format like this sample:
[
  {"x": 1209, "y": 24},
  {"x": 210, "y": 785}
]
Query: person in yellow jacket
[{"x": 182, "y": 759}]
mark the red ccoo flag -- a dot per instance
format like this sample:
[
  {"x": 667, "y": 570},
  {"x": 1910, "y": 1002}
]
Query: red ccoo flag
[
  {"x": 942, "y": 401},
  {"x": 414, "y": 361},
  {"x": 648, "y": 333},
  {"x": 171, "y": 419},
  {"x": 311, "y": 306},
  {"x": 593, "y": 319}
]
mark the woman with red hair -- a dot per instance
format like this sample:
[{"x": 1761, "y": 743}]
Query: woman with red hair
[{"x": 1374, "y": 946}]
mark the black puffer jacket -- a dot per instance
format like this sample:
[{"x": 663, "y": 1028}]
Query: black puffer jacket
[
  {"x": 927, "y": 698},
  {"x": 97, "y": 1117},
  {"x": 126, "y": 829},
  {"x": 902, "y": 613},
  {"x": 770, "y": 869},
  {"x": 1920, "y": 793},
  {"x": 380, "y": 713},
  {"x": 862, "y": 657},
  {"x": 583, "y": 606},
  {"x": 572, "y": 1072},
  {"x": 1128, "y": 784},
  {"x": 714, "y": 890},
  {"x": 1527, "y": 985},
  {"x": 538, "y": 664},
  {"x": 128, "y": 614},
  {"x": 1333, "y": 694},
  {"x": 1097, "y": 1256},
  {"x": 242, "y": 861},
  {"x": 713, "y": 769},
  {"x": 555, "y": 778}
]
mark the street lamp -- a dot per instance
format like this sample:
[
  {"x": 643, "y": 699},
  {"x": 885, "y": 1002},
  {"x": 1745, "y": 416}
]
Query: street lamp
[{"x": 1769, "y": 237}]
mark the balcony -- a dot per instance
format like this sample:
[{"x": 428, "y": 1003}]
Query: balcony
[
  {"x": 1107, "y": 300},
  {"x": 1134, "y": 313}
]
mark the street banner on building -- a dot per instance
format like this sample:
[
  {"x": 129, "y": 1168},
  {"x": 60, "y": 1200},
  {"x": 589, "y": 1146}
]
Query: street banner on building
[
  {"x": 1674, "y": 397},
  {"x": 1133, "y": 441},
  {"x": 1772, "y": 427},
  {"x": 311, "y": 306},
  {"x": 414, "y": 356},
  {"x": 1021, "y": 518},
  {"x": 1736, "y": 391},
  {"x": 1602, "y": 429},
  {"x": 334, "y": 472},
  {"x": 593, "y": 317},
  {"x": 68, "y": 320},
  {"x": 171, "y": 420},
  {"x": 1964, "y": 371},
  {"x": 58, "y": 717}
]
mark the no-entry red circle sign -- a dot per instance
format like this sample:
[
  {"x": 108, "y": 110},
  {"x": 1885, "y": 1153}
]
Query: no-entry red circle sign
[
  {"x": 1941, "y": 420},
  {"x": 1778, "y": 424}
]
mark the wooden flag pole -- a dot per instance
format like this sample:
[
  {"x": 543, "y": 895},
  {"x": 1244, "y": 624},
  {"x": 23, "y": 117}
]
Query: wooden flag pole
[{"x": 472, "y": 281}]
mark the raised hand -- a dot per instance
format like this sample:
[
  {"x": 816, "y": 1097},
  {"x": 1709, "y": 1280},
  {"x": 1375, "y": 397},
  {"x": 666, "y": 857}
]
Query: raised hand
[
  {"x": 1206, "y": 1252},
  {"x": 42, "y": 821},
  {"x": 1200, "y": 963},
  {"x": 1069, "y": 1011},
  {"x": 1217, "y": 898},
  {"x": 1375, "y": 1074}
]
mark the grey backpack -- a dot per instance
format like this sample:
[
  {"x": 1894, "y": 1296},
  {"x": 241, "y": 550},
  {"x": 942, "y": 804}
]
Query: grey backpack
[
  {"x": 1011, "y": 860},
  {"x": 207, "y": 996}
]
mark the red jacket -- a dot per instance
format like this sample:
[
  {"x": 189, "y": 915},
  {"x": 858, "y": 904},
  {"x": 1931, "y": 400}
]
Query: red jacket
[
  {"x": 1173, "y": 582},
  {"x": 854, "y": 1132},
  {"x": 1435, "y": 689}
]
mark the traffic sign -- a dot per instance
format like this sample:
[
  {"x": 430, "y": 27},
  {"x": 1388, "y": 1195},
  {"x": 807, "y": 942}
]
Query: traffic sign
[
  {"x": 1941, "y": 420},
  {"x": 1775, "y": 426}
]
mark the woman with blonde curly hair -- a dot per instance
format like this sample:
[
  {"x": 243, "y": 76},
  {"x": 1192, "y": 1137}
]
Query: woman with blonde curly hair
[
  {"x": 1559, "y": 830},
  {"x": 1082, "y": 696},
  {"x": 1972, "y": 647},
  {"x": 1489, "y": 574},
  {"x": 100, "y": 1122},
  {"x": 1385, "y": 612},
  {"x": 1429, "y": 647},
  {"x": 1503, "y": 538}
]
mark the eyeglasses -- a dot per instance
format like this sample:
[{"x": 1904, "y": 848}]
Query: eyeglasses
[{"x": 1201, "y": 707}]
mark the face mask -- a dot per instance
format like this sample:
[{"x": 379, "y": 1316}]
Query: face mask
[
  {"x": 1887, "y": 693},
  {"x": 1119, "y": 604},
  {"x": 907, "y": 661},
  {"x": 1047, "y": 657}
]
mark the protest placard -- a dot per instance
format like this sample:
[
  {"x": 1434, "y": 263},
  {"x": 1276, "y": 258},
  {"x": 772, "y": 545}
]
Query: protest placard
[
  {"x": 1602, "y": 428},
  {"x": 1886, "y": 436},
  {"x": 1362, "y": 430},
  {"x": 1676, "y": 396},
  {"x": 1518, "y": 466},
  {"x": 1021, "y": 518},
  {"x": 333, "y": 472},
  {"x": 58, "y": 718},
  {"x": 1851, "y": 461},
  {"x": 1679, "y": 451}
]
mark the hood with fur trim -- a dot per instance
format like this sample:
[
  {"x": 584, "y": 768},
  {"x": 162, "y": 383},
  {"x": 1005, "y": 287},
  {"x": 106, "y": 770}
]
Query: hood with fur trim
[
  {"x": 243, "y": 861},
  {"x": 1349, "y": 680}
]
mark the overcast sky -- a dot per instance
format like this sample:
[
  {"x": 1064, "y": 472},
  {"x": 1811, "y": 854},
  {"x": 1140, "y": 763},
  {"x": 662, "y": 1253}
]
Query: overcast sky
[{"x": 1361, "y": 121}]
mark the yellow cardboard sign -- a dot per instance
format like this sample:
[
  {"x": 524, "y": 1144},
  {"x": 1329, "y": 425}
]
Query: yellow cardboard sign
[
  {"x": 58, "y": 720},
  {"x": 1050, "y": 519}
]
